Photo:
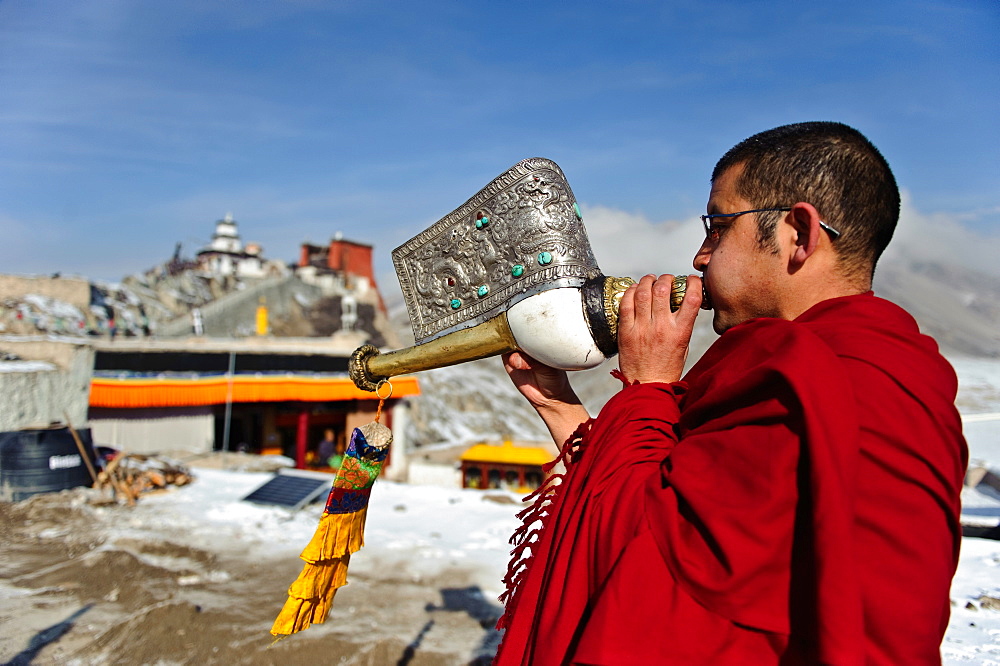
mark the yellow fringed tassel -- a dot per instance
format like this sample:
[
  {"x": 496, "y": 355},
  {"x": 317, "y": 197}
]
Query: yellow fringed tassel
[
  {"x": 327, "y": 556},
  {"x": 338, "y": 534},
  {"x": 311, "y": 596}
]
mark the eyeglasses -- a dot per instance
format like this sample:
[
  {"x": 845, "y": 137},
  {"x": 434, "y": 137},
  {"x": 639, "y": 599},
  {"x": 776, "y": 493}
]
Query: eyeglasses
[{"x": 714, "y": 231}]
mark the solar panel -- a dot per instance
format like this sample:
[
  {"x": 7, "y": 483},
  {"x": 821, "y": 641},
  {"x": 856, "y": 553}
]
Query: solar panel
[{"x": 292, "y": 488}]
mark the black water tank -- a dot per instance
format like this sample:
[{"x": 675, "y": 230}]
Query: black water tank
[{"x": 42, "y": 461}]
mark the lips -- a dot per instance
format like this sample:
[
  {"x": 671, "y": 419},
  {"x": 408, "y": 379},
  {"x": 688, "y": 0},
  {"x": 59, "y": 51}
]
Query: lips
[{"x": 706, "y": 300}]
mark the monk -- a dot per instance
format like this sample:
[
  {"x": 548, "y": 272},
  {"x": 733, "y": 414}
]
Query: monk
[{"x": 794, "y": 499}]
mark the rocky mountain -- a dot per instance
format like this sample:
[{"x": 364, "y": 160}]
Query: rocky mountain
[{"x": 960, "y": 308}]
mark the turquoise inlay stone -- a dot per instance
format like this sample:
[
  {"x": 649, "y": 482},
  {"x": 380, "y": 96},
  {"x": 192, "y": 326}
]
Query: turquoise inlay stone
[
  {"x": 576, "y": 209},
  {"x": 483, "y": 290},
  {"x": 482, "y": 222},
  {"x": 544, "y": 258},
  {"x": 456, "y": 303},
  {"x": 517, "y": 270}
]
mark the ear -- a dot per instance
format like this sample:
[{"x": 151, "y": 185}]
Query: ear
[{"x": 804, "y": 220}]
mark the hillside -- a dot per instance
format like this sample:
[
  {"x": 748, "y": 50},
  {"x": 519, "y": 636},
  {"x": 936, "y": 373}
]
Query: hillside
[{"x": 166, "y": 301}]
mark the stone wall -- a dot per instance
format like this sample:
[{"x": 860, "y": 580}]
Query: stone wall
[
  {"x": 72, "y": 290},
  {"x": 49, "y": 385},
  {"x": 235, "y": 314}
]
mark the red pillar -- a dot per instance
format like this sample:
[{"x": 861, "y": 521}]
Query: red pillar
[{"x": 301, "y": 439}]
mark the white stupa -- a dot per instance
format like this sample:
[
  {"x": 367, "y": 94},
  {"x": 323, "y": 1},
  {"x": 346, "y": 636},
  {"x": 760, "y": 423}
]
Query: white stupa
[
  {"x": 226, "y": 255},
  {"x": 226, "y": 238}
]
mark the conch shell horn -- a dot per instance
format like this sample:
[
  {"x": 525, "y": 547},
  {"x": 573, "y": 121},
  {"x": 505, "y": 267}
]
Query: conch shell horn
[{"x": 511, "y": 269}]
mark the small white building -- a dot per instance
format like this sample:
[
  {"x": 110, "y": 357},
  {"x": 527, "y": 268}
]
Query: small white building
[{"x": 226, "y": 254}]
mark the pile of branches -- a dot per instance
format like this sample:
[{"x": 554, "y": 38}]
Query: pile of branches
[{"x": 130, "y": 475}]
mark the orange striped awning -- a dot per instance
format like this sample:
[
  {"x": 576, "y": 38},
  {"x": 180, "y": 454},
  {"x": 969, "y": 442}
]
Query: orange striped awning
[{"x": 176, "y": 392}]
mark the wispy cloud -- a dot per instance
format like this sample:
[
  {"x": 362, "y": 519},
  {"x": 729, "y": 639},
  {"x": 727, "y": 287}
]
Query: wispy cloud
[
  {"x": 630, "y": 244},
  {"x": 945, "y": 238}
]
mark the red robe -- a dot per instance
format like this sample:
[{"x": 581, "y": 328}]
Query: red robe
[{"x": 794, "y": 500}]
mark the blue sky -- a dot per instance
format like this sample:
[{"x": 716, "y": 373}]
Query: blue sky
[{"x": 127, "y": 126}]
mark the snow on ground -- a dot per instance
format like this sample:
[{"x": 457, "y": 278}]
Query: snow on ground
[
  {"x": 196, "y": 575},
  {"x": 973, "y": 635},
  {"x": 425, "y": 530},
  {"x": 26, "y": 366},
  {"x": 53, "y": 308}
]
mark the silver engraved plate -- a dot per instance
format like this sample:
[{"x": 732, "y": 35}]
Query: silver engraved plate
[{"x": 520, "y": 235}]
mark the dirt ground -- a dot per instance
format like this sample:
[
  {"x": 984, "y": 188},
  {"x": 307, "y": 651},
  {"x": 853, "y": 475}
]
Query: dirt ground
[{"x": 73, "y": 590}]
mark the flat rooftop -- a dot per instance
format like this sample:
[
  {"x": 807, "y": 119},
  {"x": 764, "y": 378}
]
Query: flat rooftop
[{"x": 248, "y": 345}]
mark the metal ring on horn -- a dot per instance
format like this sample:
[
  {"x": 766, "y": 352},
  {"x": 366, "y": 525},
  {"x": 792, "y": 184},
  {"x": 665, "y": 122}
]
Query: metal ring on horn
[{"x": 378, "y": 390}]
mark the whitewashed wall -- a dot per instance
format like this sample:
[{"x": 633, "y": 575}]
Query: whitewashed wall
[
  {"x": 433, "y": 474},
  {"x": 153, "y": 430}
]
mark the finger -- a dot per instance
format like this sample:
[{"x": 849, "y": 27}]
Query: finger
[
  {"x": 515, "y": 361},
  {"x": 532, "y": 363},
  {"x": 643, "y": 298},
  {"x": 691, "y": 305},
  {"x": 661, "y": 296},
  {"x": 626, "y": 308}
]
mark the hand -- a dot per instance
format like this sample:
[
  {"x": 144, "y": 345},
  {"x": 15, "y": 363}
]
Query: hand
[
  {"x": 653, "y": 341},
  {"x": 549, "y": 392},
  {"x": 542, "y": 385}
]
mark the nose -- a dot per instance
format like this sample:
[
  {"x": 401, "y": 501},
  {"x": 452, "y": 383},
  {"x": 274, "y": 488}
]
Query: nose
[{"x": 702, "y": 257}]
